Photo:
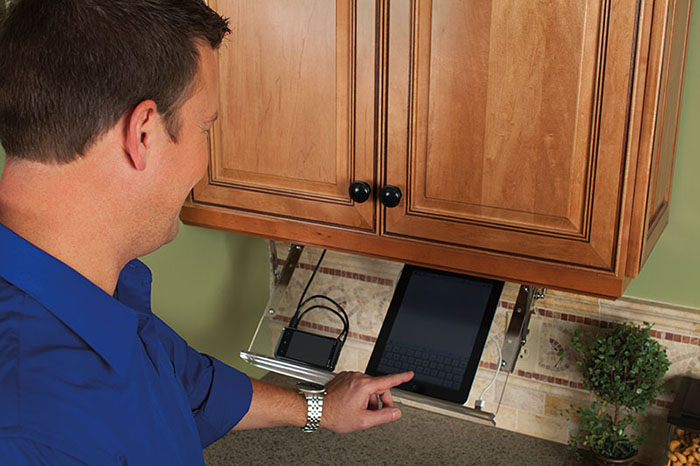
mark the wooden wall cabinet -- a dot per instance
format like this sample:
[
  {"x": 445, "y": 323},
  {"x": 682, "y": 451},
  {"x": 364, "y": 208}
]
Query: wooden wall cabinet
[{"x": 531, "y": 141}]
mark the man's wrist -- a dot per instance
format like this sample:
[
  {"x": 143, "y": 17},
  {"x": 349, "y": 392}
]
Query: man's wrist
[{"x": 314, "y": 396}]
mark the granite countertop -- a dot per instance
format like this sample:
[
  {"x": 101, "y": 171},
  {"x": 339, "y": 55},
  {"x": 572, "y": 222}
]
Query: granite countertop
[{"x": 419, "y": 437}]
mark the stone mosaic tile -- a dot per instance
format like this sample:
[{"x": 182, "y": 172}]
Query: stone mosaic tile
[
  {"x": 559, "y": 407},
  {"x": 541, "y": 426},
  {"x": 531, "y": 401},
  {"x": 355, "y": 356},
  {"x": 360, "y": 265},
  {"x": 507, "y": 418},
  {"x": 554, "y": 339},
  {"x": 677, "y": 319}
]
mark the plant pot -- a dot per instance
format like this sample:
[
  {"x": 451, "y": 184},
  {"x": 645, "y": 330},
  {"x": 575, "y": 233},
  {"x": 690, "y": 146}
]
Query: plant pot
[{"x": 605, "y": 461}]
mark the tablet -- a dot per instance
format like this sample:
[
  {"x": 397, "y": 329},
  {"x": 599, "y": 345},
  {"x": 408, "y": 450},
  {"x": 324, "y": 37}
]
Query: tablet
[{"x": 437, "y": 325}]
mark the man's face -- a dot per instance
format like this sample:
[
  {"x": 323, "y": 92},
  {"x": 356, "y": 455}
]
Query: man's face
[{"x": 180, "y": 164}]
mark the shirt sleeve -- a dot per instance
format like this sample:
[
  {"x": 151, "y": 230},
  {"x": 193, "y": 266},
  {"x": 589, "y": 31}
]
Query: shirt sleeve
[
  {"x": 219, "y": 395},
  {"x": 19, "y": 450}
]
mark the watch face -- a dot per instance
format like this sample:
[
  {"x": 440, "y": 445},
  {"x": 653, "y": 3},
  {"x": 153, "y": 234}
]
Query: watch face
[{"x": 309, "y": 387}]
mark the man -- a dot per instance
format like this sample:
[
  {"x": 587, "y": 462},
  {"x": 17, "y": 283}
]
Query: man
[{"x": 105, "y": 108}]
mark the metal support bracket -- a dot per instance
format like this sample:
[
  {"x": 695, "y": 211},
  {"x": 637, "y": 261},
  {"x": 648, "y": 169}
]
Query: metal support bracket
[
  {"x": 281, "y": 282},
  {"x": 273, "y": 262},
  {"x": 516, "y": 334}
]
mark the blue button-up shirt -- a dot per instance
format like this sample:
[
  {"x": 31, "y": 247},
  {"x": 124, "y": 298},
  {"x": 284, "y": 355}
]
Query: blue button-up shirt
[{"x": 89, "y": 378}]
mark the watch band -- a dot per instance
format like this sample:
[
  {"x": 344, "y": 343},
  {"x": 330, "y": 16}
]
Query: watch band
[
  {"x": 314, "y": 394},
  {"x": 313, "y": 412}
]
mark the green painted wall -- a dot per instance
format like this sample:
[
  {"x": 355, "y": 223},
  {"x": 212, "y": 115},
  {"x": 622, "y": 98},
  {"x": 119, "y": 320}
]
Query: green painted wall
[
  {"x": 672, "y": 272},
  {"x": 212, "y": 286}
]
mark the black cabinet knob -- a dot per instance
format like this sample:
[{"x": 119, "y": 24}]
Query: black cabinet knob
[
  {"x": 360, "y": 191},
  {"x": 390, "y": 196}
]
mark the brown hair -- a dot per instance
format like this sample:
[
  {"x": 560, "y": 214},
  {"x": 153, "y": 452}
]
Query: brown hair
[{"x": 70, "y": 69}]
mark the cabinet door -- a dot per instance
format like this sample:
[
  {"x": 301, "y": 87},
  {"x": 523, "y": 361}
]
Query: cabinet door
[
  {"x": 296, "y": 115},
  {"x": 506, "y": 125}
]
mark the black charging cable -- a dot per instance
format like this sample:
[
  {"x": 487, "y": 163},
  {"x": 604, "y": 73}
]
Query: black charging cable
[{"x": 307, "y": 305}]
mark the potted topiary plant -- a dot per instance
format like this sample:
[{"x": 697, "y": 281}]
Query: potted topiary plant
[{"x": 624, "y": 368}]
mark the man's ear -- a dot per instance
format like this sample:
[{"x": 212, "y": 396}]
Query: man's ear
[{"x": 140, "y": 126}]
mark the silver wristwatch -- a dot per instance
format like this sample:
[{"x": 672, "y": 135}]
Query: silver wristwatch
[{"x": 314, "y": 394}]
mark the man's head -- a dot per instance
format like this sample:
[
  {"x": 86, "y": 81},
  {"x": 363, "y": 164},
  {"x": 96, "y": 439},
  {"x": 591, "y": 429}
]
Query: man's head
[
  {"x": 70, "y": 69},
  {"x": 105, "y": 110}
]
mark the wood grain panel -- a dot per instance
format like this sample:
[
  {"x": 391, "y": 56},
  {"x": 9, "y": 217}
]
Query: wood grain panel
[
  {"x": 452, "y": 41},
  {"x": 281, "y": 99},
  {"x": 503, "y": 92},
  {"x": 540, "y": 98},
  {"x": 656, "y": 129},
  {"x": 674, "y": 58},
  {"x": 510, "y": 159},
  {"x": 296, "y": 115},
  {"x": 666, "y": 134}
]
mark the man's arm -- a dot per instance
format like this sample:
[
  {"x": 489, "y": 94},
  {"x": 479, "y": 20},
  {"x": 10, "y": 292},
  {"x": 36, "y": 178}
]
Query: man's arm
[{"x": 352, "y": 403}]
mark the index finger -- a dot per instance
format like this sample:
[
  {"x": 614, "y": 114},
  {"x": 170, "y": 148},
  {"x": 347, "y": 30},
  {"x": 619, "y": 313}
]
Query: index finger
[{"x": 385, "y": 382}]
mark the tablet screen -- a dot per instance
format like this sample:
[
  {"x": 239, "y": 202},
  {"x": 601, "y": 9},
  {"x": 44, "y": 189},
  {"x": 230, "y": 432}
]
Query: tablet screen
[{"x": 436, "y": 326}]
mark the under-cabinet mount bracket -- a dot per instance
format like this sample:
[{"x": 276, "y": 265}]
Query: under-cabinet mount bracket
[
  {"x": 516, "y": 334},
  {"x": 281, "y": 281}
]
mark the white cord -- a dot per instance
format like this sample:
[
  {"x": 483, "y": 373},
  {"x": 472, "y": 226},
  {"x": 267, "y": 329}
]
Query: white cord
[{"x": 480, "y": 402}]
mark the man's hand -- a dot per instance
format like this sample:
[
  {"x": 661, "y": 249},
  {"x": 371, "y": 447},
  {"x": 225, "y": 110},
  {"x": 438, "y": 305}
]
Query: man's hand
[
  {"x": 353, "y": 398},
  {"x": 352, "y": 403}
]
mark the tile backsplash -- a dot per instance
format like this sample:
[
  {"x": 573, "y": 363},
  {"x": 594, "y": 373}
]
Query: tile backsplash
[{"x": 543, "y": 388}]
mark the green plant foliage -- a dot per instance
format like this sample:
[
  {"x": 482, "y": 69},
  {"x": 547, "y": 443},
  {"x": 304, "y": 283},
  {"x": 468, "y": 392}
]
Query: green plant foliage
[
  {"x": 624, "y": 368},
  {"x": 599, "y": 432}
]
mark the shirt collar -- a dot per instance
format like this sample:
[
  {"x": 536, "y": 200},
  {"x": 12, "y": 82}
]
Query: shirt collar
[{"x": 103, "y": 322}]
